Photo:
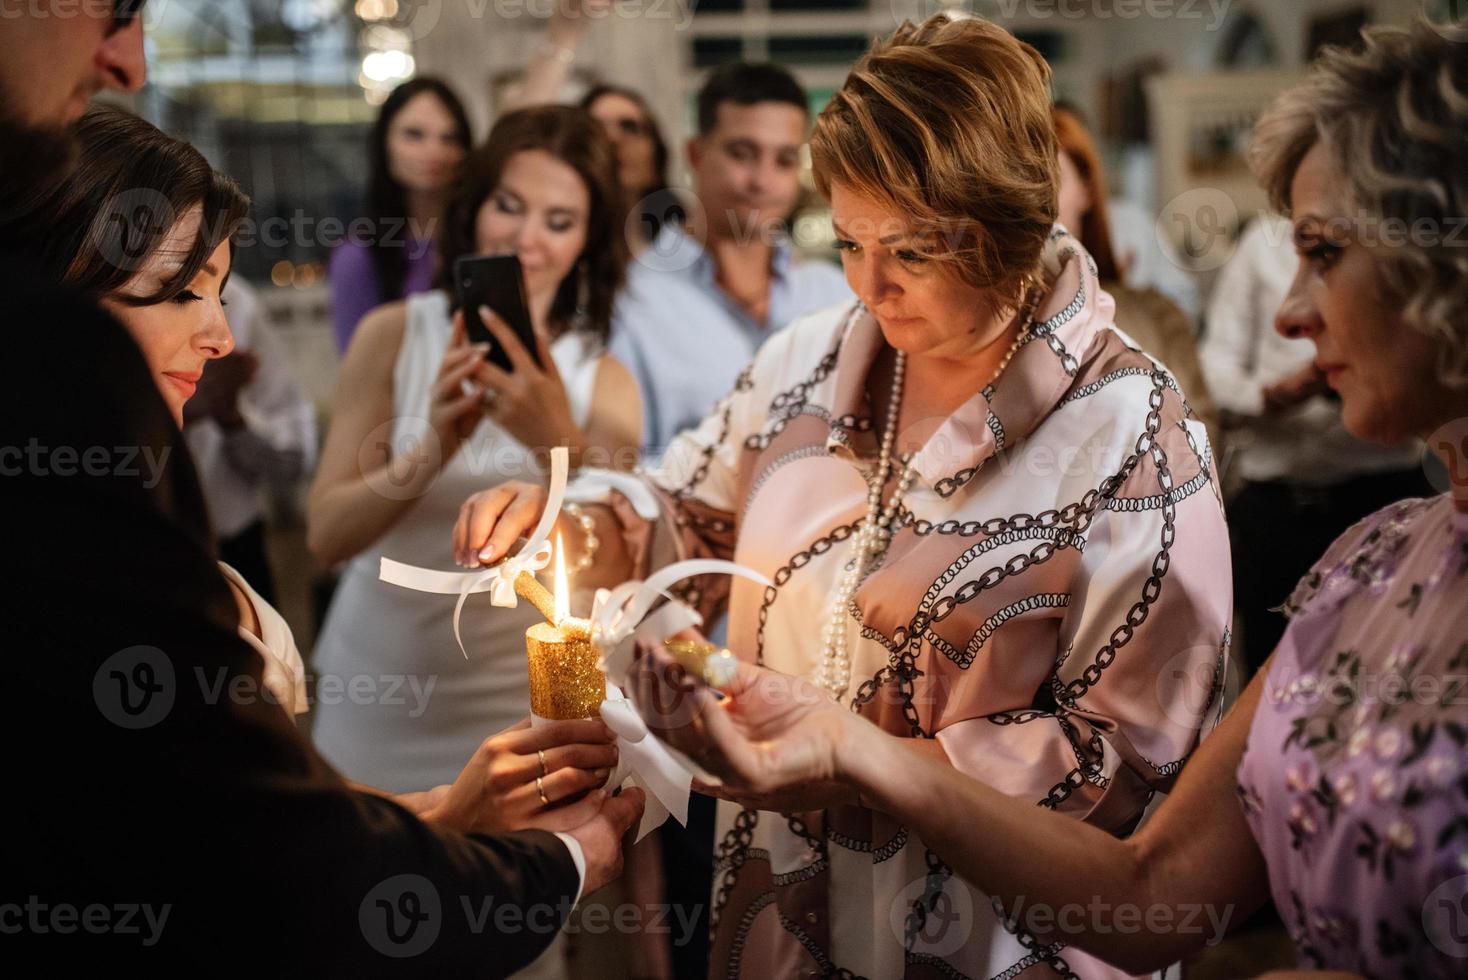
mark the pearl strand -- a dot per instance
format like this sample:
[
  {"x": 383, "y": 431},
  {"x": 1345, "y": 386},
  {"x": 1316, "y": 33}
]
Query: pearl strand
[{"x": 875, "y": 532}]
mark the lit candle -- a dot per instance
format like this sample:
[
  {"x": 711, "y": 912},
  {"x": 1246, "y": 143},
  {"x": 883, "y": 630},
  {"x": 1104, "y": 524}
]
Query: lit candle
[{"x": 565, "y": 680}]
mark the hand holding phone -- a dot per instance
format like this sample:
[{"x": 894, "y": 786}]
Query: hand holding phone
[{"x": 495, "y": 281}]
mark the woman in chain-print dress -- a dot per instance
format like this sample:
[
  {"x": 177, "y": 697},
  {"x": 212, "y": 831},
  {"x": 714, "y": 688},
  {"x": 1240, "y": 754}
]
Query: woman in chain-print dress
[{"x": 1053, "y": 610}]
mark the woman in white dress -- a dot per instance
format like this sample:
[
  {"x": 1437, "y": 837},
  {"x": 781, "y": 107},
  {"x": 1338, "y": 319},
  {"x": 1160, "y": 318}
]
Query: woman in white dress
[{"x": 421, "y": 420}]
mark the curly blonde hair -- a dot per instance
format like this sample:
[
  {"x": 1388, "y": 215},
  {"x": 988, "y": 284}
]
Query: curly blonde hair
[
  {"x": 949, "y": 123},
  {"x": 1393, "y": 118}
]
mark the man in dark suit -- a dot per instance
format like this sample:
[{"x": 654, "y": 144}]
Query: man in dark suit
[{"x": 160, "y": 811}]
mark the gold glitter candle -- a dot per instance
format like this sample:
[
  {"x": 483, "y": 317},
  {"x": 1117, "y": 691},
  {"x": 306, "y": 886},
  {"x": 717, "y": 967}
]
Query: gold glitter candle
[{"x": 566, "y": 682}]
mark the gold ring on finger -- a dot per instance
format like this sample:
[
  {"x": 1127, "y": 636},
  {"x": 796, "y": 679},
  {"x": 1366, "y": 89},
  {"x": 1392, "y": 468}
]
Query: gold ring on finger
[
  {"x": 544, "y": 770},
  {"x": 540, "y": 788}
]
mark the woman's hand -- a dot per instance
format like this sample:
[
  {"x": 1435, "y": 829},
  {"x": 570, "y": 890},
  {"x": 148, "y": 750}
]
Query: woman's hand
[
  {"x": 529, "y": 402},
  {"x": 772, "y": 740},
  {"x": 456, "y": 400},
  {"x": 548, "y": 778},
  {"x": 491, "y": 521}
]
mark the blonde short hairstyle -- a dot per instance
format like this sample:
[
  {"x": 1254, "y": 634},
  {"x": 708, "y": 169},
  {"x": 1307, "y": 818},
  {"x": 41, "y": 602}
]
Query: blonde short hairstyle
[
  {"x": 948, "y": 122},
  {"x": 1393, "y": 118}
]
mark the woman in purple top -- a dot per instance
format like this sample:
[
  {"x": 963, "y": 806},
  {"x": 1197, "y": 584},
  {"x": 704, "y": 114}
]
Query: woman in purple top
[
  {"x": 417, "y": 144},
  {"x": 1338, "y": 784}
]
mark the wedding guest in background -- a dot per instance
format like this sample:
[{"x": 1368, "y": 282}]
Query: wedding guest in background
[
  {"x": 707, "y": 294},
  {"x": 180, "y": 768},
  {"x": 642, "y": 153},
  {"x": 1321, "y": 788},
  {"x": 421, "y": 420},
  {"x": 1156, "y": 323},
  {"x": 1299, "y": 475},
  {"x": 642, "y": 161},
  {"x": 249, "y": 429},
  {"x": 702, "y": 299},
  {"x": 414, "y": 151},
  {"x": 1056, "y": 629}
]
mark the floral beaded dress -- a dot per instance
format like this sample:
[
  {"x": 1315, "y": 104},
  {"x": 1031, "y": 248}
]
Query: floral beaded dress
[
  {"x": 1355, "y": 780},
  {"x": 1052, "y": 610}
]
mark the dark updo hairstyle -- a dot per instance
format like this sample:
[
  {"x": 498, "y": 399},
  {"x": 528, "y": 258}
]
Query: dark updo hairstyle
[
  {"x": 585, "y": 297},
  {"x": 131, "y": 185},
  {"x": 387, "y": 202}
]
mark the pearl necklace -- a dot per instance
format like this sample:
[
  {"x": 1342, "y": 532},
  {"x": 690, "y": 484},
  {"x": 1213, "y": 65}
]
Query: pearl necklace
[{"x": 874, "y": 533}]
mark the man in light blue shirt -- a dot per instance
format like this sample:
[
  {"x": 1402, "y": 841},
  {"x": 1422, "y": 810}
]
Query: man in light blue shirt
[
  {"x": 698, "y": 303},
  {"x": 703, "y": 297}
]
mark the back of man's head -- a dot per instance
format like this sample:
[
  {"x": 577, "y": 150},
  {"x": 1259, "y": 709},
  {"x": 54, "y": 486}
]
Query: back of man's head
[{"x": 747, "y": 83}]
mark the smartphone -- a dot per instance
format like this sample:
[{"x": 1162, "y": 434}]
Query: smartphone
[{"x": 495, "y": 281}]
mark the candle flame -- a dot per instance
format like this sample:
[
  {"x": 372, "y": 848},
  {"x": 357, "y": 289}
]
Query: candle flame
[{"x": 563, "y": 590}]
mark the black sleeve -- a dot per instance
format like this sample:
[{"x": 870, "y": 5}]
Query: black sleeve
[{"x": 160, "y": 809}]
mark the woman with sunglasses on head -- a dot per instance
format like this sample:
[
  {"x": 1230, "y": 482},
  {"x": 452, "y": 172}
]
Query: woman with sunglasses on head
[
  {"x": 1338, "y": 784},
  {"x": 642, "y": 152}
]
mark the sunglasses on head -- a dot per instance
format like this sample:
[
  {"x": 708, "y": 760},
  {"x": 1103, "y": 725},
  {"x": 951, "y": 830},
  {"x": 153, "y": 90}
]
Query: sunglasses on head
[
  {"x": 630, "y": 126},
  {"x": 124, "y": 12}
]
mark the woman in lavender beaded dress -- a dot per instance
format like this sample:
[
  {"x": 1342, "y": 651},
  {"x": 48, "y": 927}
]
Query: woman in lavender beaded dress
[{"x": 1339, "y": 782}]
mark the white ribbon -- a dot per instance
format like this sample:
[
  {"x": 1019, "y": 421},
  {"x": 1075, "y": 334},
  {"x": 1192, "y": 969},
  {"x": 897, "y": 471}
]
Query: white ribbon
[
  {"x": 498, "y": 581},
  {"x": 619, "y": 616},
  {"x": 644, "y": 762}
]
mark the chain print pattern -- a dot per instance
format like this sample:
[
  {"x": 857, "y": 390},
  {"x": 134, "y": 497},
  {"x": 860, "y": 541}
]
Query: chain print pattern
[
  {"x": 1152, "y": 589},
  {"x": 744, "y": 383},
  {"x": 1049, "y": 955},
  {"x": 782, "y": 577},
  {"x": 788, "y": 404},
  {"x": 733, "y": 852}
]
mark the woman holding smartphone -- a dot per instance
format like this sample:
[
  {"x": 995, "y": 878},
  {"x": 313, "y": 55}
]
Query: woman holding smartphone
[{"x": 422, "y": 419}]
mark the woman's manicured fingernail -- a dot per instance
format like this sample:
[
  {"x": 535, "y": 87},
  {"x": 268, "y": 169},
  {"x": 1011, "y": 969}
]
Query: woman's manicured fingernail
[{"x": 487, "y": 553}]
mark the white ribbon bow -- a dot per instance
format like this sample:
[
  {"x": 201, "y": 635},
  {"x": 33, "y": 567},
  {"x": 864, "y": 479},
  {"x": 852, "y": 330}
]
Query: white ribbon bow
[
  {"x": 619, "y": 616},
  {"x": 498, "y": 581}
]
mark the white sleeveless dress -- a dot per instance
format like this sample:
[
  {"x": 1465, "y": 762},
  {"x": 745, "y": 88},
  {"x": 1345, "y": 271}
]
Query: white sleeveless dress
[{"x": 398, "y": 707}]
